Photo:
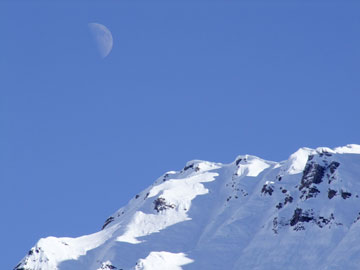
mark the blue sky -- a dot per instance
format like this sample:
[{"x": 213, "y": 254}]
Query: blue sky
[{"x": 81, "y": 135}]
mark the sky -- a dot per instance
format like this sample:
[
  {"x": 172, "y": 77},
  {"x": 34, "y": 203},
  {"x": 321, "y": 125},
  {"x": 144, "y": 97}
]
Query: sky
[{"x": 80, "y": 135}]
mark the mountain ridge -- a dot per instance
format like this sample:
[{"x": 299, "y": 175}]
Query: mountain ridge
[{"x": 300, "y": 213}]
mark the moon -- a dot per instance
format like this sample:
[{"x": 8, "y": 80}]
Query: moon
[{"x": 102, "y": 37}]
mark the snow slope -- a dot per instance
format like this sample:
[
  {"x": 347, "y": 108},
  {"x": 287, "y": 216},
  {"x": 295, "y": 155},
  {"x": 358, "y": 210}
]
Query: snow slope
[{"x": 302, "y": 213}]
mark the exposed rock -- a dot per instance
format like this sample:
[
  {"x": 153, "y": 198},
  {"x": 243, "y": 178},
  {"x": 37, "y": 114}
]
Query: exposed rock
[
  {"x": 313, "y": 174},
  {"x": 267, "y": 189},
  {"x": 357, "y": 218},
  {"x": 107, "y": 266},
  {"x": 160, "y": 204},
  {"x": 188, "y": 167},
  {"x": 275, "y": 225},
  {"x": 288, "y": 199},
  {"x": 18, "y": 267},
  {"x": 310, "y": 192},
  {"x": 322, "y": 221},
  {"x": 107, "y": 222},
  {"x": 237, "y": 162},
  {"x": 331, "y": 193},
  {"x": 300, "y": 216},
  {"x": 313, "y": 191},
  {"x": 345, "y": 195},
  {"x": 333, "y": 166}
]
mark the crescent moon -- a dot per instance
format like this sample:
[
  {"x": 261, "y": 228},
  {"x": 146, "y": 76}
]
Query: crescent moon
[{"x": 102, "y": 37}]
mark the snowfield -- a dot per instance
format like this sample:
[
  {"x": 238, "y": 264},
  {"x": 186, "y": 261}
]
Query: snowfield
[{"x": 251, "y": 214}]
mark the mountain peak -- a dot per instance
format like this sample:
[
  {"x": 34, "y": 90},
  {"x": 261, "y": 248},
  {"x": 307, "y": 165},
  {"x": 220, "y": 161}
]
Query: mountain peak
[{"x": 301, "y": 213}]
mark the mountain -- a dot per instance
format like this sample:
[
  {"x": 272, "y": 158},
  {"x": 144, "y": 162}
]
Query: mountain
[{"x": 302, "y": 213}]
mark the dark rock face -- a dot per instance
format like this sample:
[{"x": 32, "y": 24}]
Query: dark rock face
[
  {"x": 237, "y": 162},
  {"x": 192, "y": 166},
  {"x": 357, "y": 218},
  {"x": 160, "y": 204},
  {"x": 313, "y": 174},
  {"x": 312, "y": 192},
  {"x": 300, "y": 216},
  {"x": 317, "y": 173},
  {"x": 267, "y": 189},
  {"x": 322, "y": 153},
  {"x": 345, "y": 195},
  {"x": 18, "y": 267},
  {"x": 331, "y": 193},
  {"x": 275, "y": 225},
  {"x": 107, "y": 266},
  {"x": 322, "y": 221},
  {"x": 188, "y": 167},
  {"x": 288, "y": 199},
  {"x": 107, "y": 222},
  {"x": 333, "y": 166}
]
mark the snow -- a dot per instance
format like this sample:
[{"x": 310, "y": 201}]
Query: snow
[
  {"x": 178, "y": 192},
  {"x": 296, "y": 162},
  {"x": 249, "y": 214},
  {"x": 252, "y": 166},
  {"x": 348, "y": 149},
  {"x": 51, "y": 251},
  {"x": 107, "y": 265},
  {"x": 163, "y": 261}
]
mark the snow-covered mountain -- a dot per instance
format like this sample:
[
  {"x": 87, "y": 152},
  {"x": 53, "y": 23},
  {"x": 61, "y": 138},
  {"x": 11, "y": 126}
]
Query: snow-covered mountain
[{"x": 302, "y": 213}]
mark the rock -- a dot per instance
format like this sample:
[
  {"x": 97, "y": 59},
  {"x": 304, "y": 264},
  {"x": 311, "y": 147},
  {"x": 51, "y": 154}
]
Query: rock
[
  {"x": 333, "y": 166},
  {"x": 331, "y": 193},
  {"x": 345, "y": 195},
  {"x": 299, "y": 216},
  {"x": 107, "y": 222},
  {"x": 267, "y": 189},
  {"x": 160, "y": 205},
  {"x": 313, "y": 174},
  {"x": 288, "y": 199},
  {"x": 188, "y": 167},
  {"x": 237, "y": 162}
]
